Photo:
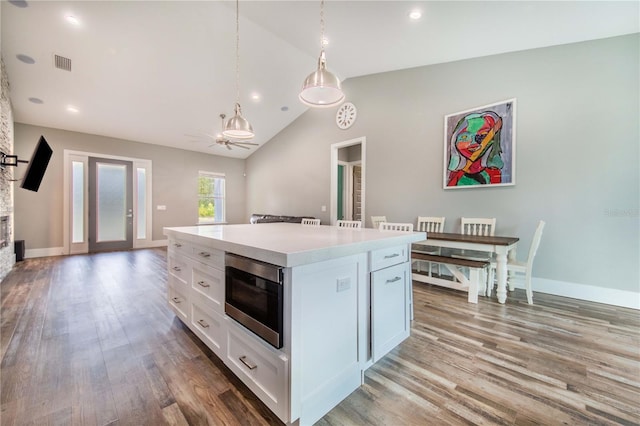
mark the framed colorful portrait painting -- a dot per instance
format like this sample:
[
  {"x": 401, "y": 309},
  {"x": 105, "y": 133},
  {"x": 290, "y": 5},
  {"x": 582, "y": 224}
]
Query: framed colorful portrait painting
[{"x": 480, "y": 146}]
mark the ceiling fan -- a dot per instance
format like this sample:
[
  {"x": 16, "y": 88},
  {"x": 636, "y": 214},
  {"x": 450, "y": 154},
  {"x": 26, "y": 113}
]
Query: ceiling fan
[{"x": 230, "y": 143}]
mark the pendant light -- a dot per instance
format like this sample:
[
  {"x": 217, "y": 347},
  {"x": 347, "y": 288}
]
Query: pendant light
[
  {"x": 238, "y": 127},
  {"x": 321, "y": 88}
]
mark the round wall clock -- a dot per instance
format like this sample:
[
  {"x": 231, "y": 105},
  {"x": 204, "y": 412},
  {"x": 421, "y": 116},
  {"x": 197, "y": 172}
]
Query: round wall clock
[{"x": 346, "y": 115}]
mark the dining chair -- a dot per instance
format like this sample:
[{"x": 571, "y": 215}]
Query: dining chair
[
  {"x": 349, "y": 224},
  {"x": 520, "y": 270},
  {"x": 312, "y": 222},
  {"x": 389, "y": 226},
  {"x": 376, "y": 220},
  {"x": 429, "y": 224},
  {"x": 478, "y": 226}
]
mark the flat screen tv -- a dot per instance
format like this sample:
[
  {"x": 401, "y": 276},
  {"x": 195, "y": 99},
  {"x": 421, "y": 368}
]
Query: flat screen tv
[{"x": 37, "y": 166}]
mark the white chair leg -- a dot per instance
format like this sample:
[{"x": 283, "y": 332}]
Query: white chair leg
[
  {"x": 527, "y": 287},
  {"x": 510, "y": 284}
]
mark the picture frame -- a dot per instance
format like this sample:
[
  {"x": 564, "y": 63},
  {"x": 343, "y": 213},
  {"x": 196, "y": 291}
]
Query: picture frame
[{"x": 480, "y": 146}]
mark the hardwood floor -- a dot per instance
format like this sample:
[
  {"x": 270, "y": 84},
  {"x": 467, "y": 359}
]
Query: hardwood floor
[{"x": 89, "y": 340}]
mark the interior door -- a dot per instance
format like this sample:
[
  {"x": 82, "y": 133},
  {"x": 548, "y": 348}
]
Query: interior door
[{"x": 110, "y": 204}]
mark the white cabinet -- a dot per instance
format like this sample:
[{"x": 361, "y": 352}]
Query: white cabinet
[
  {"x": 178, "y": 296},
  {"x": 208, "y": 282},
  {"x": 208, "y": 325},
  {"x": 264, "y": 369},
  {"x": 389, "y": 256},
  {"x": 390, "y": 299},
  {"x": 195, "y": 291},
  {"x": 340, "y": 316},
  {"x": 179, "y": 268}
]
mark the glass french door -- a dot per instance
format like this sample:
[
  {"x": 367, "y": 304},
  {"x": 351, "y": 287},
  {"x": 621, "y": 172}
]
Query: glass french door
[{"x": 110, "y": 204}]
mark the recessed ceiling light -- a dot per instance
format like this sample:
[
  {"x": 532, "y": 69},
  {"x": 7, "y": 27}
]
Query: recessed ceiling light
[
  {"x": 72, "y": 109},
  {"x": 26, "y": 59},
  {"x": 72, "y": 20},
  {"x": 415, "y": 14},
  {"x": 36, "y": 100},
  {"x": 284, "y": 109},
  {"x": 255, "y": 96}
]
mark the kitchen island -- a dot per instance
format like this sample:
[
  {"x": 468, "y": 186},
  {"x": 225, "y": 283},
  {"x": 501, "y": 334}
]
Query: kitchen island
[{"x": 346, "y": 303}]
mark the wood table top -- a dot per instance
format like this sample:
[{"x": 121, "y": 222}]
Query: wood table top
[{"x": 480, "y": 239}]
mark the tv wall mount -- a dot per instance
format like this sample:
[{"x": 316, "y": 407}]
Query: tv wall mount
[{"x": 9, "y": 160}]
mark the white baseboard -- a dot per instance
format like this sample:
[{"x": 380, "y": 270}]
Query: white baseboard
[
  {"x": 154, "y": 243},
  {"x": 59, "y": 251},
  {"x": 609, "y": 296},
  {"x": 43, "y": 252}
]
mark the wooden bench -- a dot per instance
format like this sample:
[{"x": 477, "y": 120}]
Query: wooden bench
[{"x": 471, "y": 284}]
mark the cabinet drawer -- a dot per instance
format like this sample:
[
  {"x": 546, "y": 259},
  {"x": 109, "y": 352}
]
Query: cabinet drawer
[
  {"x": 179, "y": 247},
  {"x": 209, "y": 283},
  {"x": 263, "y": 369},
  {"x": 390, "y": 308},
  {"x": 179, "y": 268},
  {"x": 178, "y": 296},
  {"x": 389, "y": 256},
  {"x": 209, "y": 326},
  {"x": 208, "y": 256}
]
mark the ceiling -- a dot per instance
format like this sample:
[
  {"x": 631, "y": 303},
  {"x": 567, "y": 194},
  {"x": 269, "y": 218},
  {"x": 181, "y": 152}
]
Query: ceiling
[{"x": 162, "y": 72}]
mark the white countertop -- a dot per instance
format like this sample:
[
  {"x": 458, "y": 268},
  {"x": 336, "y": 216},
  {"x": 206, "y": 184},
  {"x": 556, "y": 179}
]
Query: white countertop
[{"x": 291, "y": 244}]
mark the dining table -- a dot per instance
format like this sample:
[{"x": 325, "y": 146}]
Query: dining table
[{"x": 504, "y": 249}]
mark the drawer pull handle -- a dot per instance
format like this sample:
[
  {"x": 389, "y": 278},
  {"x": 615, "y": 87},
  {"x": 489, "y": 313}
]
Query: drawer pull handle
[
  {"x": 205, "y": 254},
  {"x": 176, "y": 300},
  {"x": 203, "y": 324},
  {"x": 393, "y": 280},
  {"x": 176, "y": 268},
  {"x": 177, "y": 245},
  {"x": 391, "y": 256},
  {"x": 203, "y": 284},
  {"x": 247, "y": 363}
]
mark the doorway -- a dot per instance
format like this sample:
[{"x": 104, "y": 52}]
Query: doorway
[
  {"x": 131, "y": 215},
  {"x": 110, "y": 204},
  {"x": 348, "y": 180}
]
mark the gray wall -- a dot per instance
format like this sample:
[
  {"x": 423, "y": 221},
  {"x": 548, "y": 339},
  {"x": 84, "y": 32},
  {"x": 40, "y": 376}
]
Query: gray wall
[
  {"x": 576, "y": 160},
  {"x": 38, "y": 218}
]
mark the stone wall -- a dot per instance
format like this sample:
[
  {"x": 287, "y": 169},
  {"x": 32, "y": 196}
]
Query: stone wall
[{"x": 7, "y": 256}]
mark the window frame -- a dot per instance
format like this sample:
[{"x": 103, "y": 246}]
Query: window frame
[{"x": 216, "y": 199}]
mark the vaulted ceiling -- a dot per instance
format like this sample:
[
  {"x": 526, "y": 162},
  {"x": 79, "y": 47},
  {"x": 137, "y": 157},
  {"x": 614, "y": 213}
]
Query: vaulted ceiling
[{"x": 162, "y": 72}]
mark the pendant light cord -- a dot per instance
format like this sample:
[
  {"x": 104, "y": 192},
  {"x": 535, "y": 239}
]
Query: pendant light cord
[
  {"x": 321, "y": 24},
  {"x": 237, "y": 51}
]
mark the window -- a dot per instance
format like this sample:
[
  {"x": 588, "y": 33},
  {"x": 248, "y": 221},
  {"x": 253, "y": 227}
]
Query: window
[
  {"x": 141, "y": 203},
  {"x": 77, "y": 202},
  {"x": 211, "y": 195}
]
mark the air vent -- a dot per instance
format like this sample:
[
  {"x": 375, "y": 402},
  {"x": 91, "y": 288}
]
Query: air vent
[{"x": 62, "y": 63}]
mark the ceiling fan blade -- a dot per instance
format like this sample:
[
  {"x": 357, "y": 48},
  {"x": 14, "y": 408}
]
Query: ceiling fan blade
[
  {"x": 244, "y": 143},
  {"x": 228, "y": 146}
]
